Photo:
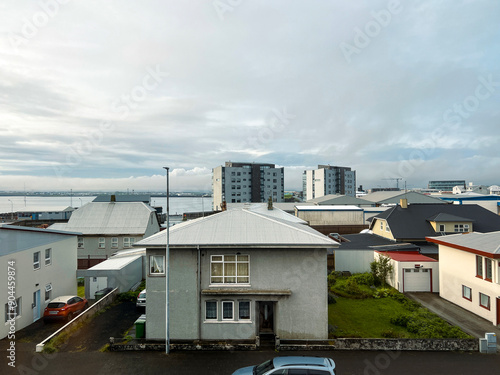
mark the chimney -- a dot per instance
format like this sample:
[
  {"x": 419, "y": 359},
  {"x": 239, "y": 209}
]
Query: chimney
[
  {"x": 270, "y": 203},
  {"x": 113, "y": 198},
  {"x": 403, "y": 203}
]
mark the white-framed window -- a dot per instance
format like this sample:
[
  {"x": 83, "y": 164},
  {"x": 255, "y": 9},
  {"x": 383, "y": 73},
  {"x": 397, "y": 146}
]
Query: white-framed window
[
  {"x": 467, "y": 292},
  {"x": 13, "y": 309},
  {"x": 157, "y": 264},
  {"x": 36, "y": 260},
  {"x": 227, "y": 310},
  {"x": 461, "y": 227},
  {"x": 114, "y": 242},
  {"x": 484, "y": 301},
  {"x": 244, "y": 310},
  {"x": 488, "y": 267},
  {"x": 48, "y": 257},
  {"x": 102, "y": 243},
  {"x": 80, "y": 242},
  {"x": 230, "y": 269},
  {"x": 381, "y": 225},
  {"x": 48, "y": 292},
  {"x": 211, "y": 310},
  {"x": 479, "y": 266},
  {"x": 387, "y": 229},
  {"x": 128, "y": 241}
]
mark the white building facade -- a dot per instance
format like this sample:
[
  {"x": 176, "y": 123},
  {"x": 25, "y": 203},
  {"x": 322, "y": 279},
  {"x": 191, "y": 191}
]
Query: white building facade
[
  {"x": 37, "y": 266},
  {"x": 329, "y": 180},
  {"x": 247, "y": 182}
]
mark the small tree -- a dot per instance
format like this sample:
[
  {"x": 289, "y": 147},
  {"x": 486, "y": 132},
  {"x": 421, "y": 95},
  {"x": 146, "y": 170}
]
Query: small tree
[{"x": 382, "y": 268}]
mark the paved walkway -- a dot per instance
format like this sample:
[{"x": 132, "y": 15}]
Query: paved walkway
[{"x": 470, "y": 323}]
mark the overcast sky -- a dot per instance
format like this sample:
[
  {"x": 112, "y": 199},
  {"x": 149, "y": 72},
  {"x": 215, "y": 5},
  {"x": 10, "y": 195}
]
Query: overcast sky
[{"x": 102, "y": 94}]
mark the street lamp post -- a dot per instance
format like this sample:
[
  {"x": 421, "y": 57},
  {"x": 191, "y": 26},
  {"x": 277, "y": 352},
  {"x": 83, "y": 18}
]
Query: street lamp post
[{"x": 167, "y": 266}]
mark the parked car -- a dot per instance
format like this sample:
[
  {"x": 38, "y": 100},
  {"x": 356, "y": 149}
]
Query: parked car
[
  {"x": 293, "y": 365},
  {"x": 141, "y": 299},
  {"x": 64, "y": 308}
]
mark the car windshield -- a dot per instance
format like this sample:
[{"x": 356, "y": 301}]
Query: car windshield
[
  {"x": 142, "y": 295},
  {"x": 263, "y": 367},
  {"x": 56, "y": 305}
]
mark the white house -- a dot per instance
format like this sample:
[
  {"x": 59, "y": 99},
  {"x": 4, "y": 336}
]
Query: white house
[
  {"x": 108, "y": 227},
  {"x": 37, "y": 266},
  {"x": 469, "y": 272}
]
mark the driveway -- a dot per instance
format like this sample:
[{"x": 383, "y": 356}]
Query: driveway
[{"x": 470, "y": 323}]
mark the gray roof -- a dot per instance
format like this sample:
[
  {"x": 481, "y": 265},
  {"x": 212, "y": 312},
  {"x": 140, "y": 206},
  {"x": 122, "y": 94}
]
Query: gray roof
[
  {"x": 111, "y": 218},
  {"x": 145, "y": 198},
  {"x": 240, "y": 228},
  {"x": 484, "y": 242},
  {"x": 261, "y": 208},
  {"x": 15, "y": 238},
  {"x": 412, "y": 222},
  {"x": 442, "y": 217},
  {"x": 115, "y": 263},
  {"x": 393, "y": 197},
  {"x": 338, "y": 199}
]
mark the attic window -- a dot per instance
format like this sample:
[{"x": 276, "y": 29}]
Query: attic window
[{"x": 461, "y": 228}]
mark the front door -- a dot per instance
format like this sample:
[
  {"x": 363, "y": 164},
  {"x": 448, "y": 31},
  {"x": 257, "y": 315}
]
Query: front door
[
  {"x": 36, "y": 305},
  {"x": 266, "y": 317}
]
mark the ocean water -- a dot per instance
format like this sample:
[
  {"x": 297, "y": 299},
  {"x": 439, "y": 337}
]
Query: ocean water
[{"x": 177, "y": 205}]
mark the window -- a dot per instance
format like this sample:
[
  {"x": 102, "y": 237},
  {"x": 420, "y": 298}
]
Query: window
[
  {"x": 12, "y": 309},
  {"x": 244, "y": 310},
  {"x": 484, "y": 301},
  {"x": 36, "y": 260},
  {"x": 461, "y": 227},
  {"x": 157, "y": 264},
  {"x": 230, "y": 269},
  {"x": 114, "y": 242},
  {"x": 48, "y": 260},
  {"x": 467, "y": 292},
  {"x": 102, "y": 243},
  {"x": 211, "y": 310},
  {"x": 80, "y": 242},
  {"x": 48, "y": 294},
  {"x": 227, "y": 310},
  {"x": 387, "y": 229},
  {"x": 128, "y": 241},
  {"x": 381, "y": 225},
  {"x": 441, "y": 228},
  {"x": 479, "y": 266},
  {"x": 488, "y": 264}
]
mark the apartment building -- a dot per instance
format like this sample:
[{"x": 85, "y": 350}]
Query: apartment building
[
  {"x": 247, "y": 182},
  {"x": 327, "y": 180}
]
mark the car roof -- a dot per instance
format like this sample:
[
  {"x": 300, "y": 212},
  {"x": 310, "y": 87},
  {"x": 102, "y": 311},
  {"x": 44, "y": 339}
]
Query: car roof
[
  {"x": 62, "y": 299},
  {"x": 299, "y": 360}
]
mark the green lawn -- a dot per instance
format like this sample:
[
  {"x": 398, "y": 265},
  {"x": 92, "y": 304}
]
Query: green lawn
[
  {"x": 368, "y": 318},
  {"x": 81, "y": 291}
]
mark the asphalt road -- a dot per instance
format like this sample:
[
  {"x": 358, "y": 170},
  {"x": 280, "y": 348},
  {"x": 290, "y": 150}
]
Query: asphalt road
[{"x": 220, "y": 363}]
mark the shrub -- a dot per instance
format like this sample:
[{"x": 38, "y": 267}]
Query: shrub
[
  {"x": 331, "y": 298},
  {"x": 363, "y": 279},
  {"x": 401, "y": 320}
]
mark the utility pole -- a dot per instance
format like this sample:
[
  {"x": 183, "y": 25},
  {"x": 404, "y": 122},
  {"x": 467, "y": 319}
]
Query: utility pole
[{"x": 167, "y": 266}]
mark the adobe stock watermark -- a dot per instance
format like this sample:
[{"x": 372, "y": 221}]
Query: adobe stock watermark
[
  {"x": 276, "y": 123},
  {"x": 363, "y": 37},
  {"x": 223, "y": 6},
  {"x": 32, "y": 25},
  {"x": 381, "y": 362},
  {"x": 92, "y": 139},
  {"x": 454, "y": 116}
]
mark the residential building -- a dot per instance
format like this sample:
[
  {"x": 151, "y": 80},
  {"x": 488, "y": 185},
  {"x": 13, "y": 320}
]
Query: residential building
[
  {"x": 236, "y": 275},
  {"x": 341, "y": 200},
  {"x": 247, "y": 182},
  {"x": 414, "y": 222},
  {"x": 327, "y": 180},
  {"x": 37, "y": 266},
  {"x": 108, "y": 227},
  {"x": 389, "y": 198},
  {"x": 469, "y": 272},
  {"x": 445, "y": 185}
]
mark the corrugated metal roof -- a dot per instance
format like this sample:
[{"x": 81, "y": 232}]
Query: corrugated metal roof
[
  {"x": 240, "y": 227},
  {"x": 339, "y": 199},
  {"x": 407, "y": 256},
  {"x": 96, "y": 218},
  {"x": 261, "y": 208},
  {"x": 388, "y": 197},
  {"x": 485, "y": 242},
  {"x": 115, "y": 263},
  {"x": 329, "y": 208}
]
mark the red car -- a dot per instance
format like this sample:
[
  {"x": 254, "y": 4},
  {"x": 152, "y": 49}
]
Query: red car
[{"x": 65, "y": 308}]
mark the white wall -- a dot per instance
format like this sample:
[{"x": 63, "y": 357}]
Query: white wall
[{"x": 354, "y": 261}]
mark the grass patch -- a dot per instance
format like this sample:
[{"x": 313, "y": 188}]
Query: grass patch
[
  {"x": 55, "y": 344},
  {"x": 81, "y": 291}
]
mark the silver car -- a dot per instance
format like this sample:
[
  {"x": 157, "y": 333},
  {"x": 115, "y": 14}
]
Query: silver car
[
  {"x": 141, "y": 299},
  {"x": 293, "y": 365}
]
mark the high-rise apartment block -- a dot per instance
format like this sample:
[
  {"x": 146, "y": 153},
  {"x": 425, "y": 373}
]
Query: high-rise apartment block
[
  {"x": 247, "y": 182},
  {"x": 327, "y": 180}
]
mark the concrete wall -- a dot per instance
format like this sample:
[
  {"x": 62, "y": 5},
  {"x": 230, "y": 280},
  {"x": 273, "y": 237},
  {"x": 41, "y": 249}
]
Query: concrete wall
[
  {"x": 458, "y": 268},
  {"x": 354, "y": 261},
  {"x": 91, "y": 246},
  {"x": 61, "y": 273},
  {"x": 340, "y": 217},
  {"x": 303, "y": 314}
]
